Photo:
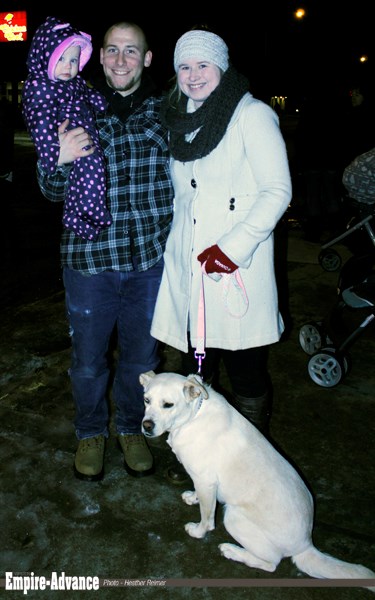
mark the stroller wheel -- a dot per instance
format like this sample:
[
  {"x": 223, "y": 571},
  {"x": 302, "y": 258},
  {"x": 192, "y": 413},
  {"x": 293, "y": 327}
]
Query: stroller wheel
[
  {"x": 330, "y": 260},
  {"x": 326, "y": 368},
  {"x": 310, "y": 337}
]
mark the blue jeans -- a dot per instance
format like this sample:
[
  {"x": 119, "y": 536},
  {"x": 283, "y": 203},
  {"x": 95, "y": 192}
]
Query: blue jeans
[{"x": 95, "y": 305}]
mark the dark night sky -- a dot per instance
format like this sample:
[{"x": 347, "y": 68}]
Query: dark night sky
[{"x": 277, "y": 53}]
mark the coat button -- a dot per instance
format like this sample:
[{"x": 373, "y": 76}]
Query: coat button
[
  {"x": 193, "y": 183},
  {"x": 232, "y": 203}
]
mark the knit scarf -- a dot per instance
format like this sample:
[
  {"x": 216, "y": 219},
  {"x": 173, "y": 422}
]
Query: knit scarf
[{"x": 211, "y": 118}]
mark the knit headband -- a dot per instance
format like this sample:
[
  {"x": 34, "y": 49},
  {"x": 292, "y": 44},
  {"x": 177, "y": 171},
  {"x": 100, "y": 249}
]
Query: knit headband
[{"x": 202, "y": 45}]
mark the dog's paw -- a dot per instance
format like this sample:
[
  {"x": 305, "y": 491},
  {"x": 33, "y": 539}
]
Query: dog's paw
[
  {"x": 239, "y": 554},
  {"x": 229, "y": 551},
  {"x": 190, "y": 497},
  {"x": 195, "y": 530}
]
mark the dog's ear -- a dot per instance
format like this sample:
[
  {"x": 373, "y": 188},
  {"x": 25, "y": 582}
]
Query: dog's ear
[
  {"x": 144, "y": 378},
  {"x": 194, "y": 388}
]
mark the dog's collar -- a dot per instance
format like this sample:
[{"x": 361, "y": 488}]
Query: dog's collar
[{"x": 199, "y": 405}]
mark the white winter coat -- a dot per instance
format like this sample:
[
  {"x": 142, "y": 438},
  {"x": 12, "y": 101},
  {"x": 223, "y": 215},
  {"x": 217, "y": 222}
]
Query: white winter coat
[{"x": 233, "y": 197}]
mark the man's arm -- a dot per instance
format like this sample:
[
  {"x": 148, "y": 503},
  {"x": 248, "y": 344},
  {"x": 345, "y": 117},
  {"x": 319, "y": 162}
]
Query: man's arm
[
  {"x": 72, "y": 144},
  {"x": 53, "y": 186}
]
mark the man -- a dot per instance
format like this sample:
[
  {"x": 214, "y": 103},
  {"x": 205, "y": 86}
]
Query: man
[{"x": 113, "y": 282}]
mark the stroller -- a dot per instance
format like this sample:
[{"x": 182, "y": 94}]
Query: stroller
[
  {"x": 329, "y": 259},
  {"x": 327, "y": 342}
]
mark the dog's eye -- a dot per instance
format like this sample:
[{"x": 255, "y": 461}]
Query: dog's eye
[
  {"x": 168, "y": 405},
  {"x": 146, "y": 400}
]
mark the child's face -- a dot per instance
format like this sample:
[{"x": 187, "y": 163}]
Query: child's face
[{"x": 68, "y": 64}]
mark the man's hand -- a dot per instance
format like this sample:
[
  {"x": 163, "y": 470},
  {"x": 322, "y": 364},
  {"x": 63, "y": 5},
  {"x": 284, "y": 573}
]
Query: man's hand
[{"x": 75, "y": 143}]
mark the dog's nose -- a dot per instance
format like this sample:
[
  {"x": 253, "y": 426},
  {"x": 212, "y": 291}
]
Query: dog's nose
[{"x": 148, "y": 425}]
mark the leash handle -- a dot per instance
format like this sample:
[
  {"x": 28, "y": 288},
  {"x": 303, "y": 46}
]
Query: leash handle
[
  {"x": 238, "y": 283},
  {"x": 234, "y": 278}
]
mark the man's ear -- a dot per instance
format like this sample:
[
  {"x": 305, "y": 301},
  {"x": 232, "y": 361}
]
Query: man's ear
[{"x": 147, "y": 59}]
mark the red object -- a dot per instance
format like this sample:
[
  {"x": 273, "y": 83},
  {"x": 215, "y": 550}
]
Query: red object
[
  {"x": 13, "y": 26},
  {"x": 216, "y": 261}
]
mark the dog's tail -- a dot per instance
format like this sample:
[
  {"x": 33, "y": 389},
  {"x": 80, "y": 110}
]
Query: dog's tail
[{"x": 323, "y": 566}]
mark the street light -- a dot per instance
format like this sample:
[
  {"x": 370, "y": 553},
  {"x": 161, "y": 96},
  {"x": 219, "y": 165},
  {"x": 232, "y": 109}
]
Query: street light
[{"x": 299, "y": 13}]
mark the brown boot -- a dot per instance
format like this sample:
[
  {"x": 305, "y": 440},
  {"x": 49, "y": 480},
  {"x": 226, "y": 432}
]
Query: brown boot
[
  {"x": 88, "y": 463},
  {"x": 138, "y": 460}
]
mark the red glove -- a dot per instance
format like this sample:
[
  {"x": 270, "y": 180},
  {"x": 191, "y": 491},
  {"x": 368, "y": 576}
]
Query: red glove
[{"x": 216, "y": 261}]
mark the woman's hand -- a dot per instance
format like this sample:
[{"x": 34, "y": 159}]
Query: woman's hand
[
  {"x": 75, "y": 143},
  {"x": 216, "y": 261}
]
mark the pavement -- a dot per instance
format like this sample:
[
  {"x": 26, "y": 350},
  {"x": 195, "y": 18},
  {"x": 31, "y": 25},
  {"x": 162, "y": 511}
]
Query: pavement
[{"x": 128, "y": 531}]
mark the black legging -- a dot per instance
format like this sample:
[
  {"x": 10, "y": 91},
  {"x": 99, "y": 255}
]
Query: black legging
[{"x": 246, "y": 369}]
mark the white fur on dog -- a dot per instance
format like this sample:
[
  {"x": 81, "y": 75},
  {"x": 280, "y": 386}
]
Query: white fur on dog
[{"x": 268, "y": 508}]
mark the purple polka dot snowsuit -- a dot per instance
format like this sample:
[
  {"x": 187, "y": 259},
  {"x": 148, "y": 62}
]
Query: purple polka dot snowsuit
[{"x": 46, "y": 103}]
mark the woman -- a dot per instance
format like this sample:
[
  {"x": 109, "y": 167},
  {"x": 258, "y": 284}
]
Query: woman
[{"x": 232, "y": 184}]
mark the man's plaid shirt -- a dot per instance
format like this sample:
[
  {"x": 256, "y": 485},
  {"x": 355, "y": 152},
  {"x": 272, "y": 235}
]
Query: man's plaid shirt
[{"x": 139, "y": 195}]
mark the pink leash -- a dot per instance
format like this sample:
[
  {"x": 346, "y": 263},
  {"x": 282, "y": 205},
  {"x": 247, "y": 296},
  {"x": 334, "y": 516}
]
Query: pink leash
[
  {"x": 236, "y": 278},
  {"x": 200, "y": 352}
]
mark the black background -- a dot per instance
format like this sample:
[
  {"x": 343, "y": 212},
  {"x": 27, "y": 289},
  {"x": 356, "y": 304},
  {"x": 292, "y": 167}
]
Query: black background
[{"x": 281, "y": 56}]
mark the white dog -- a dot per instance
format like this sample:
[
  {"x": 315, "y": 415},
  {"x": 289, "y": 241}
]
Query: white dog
[{"x": 268, "y": 508}]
